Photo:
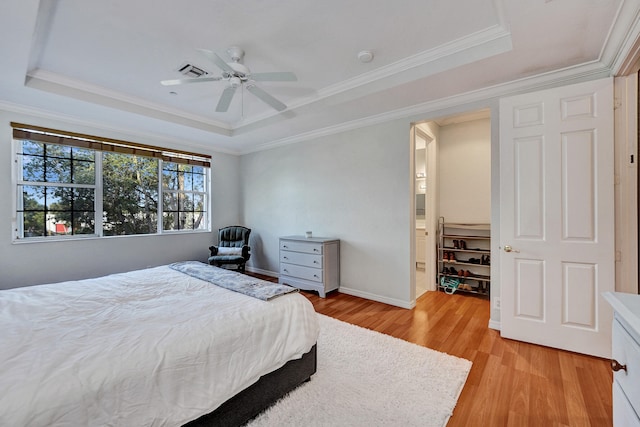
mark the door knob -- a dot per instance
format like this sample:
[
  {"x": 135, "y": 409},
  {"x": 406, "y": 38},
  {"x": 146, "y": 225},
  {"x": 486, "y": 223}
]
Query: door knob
[
  {"x": 508, "y": 248},
  {"x": 616, "y": 366}
]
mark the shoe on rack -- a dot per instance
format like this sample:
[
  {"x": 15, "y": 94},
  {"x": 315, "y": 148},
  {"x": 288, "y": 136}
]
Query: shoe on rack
[
  {"x": 462, "y": 244},
  {"x": 456, "y": 244}
]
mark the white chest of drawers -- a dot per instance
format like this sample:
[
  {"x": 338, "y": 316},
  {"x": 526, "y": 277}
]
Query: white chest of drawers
[
  {"x": 625, "y": 359},
  {"x": 310, "y": 263}
]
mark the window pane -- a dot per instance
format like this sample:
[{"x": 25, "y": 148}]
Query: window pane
[
  {"x": 58, "y": 198},
  {"x": 186, "y": 202},
  {"x": 130, "y": 194},
  {"x": 31, "y": 147},
  {"x": 199, "y": 221},
  {"x": 32, "y": 197},
  {"x": 198, "y": 182},
  {"x": 83, "y": 154},
  {"x": 83, "y": 199},
  {"x": 186, "y": 221},
  {"x": 58, "y": 223},
  {"x": 57, "y": 170},
  {"x": 198, "y": 202},
  {"x": 83, "y": 222},
  {"x": 83, "y": 172},
  {"x": 170, "y": 180},
  {"x": 34, "y": 225},
  {"x": 170, "y": 221},
  {"x": 188, "y": 181},
  {"x": 57, "y": 151},
  {"x": 33, "y": 168},
  {"x": 169, "y": 201}
]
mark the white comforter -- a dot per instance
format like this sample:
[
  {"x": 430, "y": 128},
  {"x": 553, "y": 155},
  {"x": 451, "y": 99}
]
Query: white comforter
[{"x": 152, "y": 347}]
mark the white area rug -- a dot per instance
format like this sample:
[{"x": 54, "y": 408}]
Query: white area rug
[{"x": 365, "y": 378}]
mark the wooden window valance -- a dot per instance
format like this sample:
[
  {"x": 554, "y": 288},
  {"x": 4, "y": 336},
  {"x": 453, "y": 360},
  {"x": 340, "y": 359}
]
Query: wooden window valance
[{"x": 98, "y": 143}]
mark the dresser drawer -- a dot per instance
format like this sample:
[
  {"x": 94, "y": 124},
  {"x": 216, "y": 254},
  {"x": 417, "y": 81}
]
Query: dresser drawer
[
  {"x": 626, "y": 351},
  {"x": 301, "y": 272},
  {"x": 305, "y": 247},
  {"x": 300, "y": 258}
]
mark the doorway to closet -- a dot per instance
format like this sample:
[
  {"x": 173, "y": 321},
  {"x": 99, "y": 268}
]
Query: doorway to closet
[{"x": 452, "y": 169}]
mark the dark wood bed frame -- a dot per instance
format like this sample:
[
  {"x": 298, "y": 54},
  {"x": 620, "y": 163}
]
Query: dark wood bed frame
[{"x": 247, "y": 404}]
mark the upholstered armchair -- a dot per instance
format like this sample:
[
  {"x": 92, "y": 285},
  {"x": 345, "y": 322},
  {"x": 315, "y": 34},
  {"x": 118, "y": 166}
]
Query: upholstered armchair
[{"x": 233, "y": 247}]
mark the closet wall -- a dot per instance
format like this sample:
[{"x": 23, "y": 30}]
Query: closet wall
[{"x": 464, "y": 168}]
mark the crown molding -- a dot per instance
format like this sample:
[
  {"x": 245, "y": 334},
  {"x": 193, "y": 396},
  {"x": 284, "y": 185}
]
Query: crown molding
[
  {"x": 575, "y": 74},
  {"x": 621, "y": 50},
  {"x": 61, "y": 85},
  {"x": 473, "y": 47}
]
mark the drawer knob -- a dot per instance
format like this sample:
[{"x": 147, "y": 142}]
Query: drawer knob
[{"x": 616, "y": 366}]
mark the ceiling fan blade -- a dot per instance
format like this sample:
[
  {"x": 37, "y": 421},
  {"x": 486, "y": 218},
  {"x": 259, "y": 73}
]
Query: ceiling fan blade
[
  {"x": 217, "y": 60},
  {"x": 225, "y": 99},
  {"x": 282, "y": 76},
  {"x": 265, "y": 97},
  {"x": 193, "y": 80}
]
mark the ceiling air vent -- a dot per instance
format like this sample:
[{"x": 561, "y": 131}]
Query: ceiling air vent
[{"x": 191, "y": 70}]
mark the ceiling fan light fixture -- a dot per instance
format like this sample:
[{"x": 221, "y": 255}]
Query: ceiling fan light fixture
[{"x": 235, "y": 82}]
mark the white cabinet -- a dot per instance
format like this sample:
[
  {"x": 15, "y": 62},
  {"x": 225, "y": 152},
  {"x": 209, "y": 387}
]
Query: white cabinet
[
  {"x": 310, "y": 263},
  {"x": 625, "y": 358}
]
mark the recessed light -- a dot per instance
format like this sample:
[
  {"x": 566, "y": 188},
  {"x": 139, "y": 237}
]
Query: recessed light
[{"x": 365, "y": 56}]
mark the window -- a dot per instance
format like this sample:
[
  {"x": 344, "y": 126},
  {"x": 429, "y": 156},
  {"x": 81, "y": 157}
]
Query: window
[
  {"x": 74, "y": 185},
  {"x": 183, "y": 196}
]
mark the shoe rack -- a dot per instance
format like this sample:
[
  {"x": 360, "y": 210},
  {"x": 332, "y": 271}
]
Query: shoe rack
[{"x": 464, "y": 257}]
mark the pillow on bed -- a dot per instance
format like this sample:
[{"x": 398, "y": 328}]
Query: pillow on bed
[{"x": 229, "y": 251}]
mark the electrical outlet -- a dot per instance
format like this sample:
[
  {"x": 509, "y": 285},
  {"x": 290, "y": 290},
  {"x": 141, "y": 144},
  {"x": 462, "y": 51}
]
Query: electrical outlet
[{"x": 496, "y": 303}]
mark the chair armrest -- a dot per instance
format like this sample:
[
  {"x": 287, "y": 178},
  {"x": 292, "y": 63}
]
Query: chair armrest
[
  {"x": 214, "y": 250},
  {"x": 245, "y": 252}
]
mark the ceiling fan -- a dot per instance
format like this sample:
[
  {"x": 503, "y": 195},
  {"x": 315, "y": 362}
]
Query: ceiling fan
[{"x": 237, "y": 75}]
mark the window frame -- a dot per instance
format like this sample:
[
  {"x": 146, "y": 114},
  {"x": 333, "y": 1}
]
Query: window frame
[{"x": 161, "y": 155}]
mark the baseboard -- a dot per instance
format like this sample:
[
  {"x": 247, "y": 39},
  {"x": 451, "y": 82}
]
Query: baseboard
[
  {"x": 348, "y": 291},
  {"x": 378, "y": 298},
  {"x": 494, "y": 324},
  {"x": 261, "y": 271}
]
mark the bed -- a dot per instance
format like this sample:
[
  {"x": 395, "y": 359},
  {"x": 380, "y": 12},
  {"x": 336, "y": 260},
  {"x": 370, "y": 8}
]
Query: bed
[{"x": 152, "y": 347}]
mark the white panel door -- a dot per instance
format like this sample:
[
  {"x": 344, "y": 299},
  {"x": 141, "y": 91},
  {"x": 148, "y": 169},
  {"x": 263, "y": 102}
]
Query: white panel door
[{"x": 557, "y": 217}]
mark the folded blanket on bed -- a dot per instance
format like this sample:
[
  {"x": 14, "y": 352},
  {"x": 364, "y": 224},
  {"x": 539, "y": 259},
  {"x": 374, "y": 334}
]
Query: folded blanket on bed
[{"x": 233, "y": 281}]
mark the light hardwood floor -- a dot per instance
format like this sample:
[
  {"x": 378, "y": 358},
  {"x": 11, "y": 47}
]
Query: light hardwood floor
[{"x": 511, "y": 383}]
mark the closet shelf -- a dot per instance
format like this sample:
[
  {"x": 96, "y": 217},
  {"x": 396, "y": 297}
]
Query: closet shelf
[{"x": 453, "y": 242}]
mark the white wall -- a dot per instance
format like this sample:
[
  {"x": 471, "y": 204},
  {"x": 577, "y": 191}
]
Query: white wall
[
  {"x": 23, "y": 264},
  {"x": 464, "y": 167},
  {"x": 354, "y": 186}
]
